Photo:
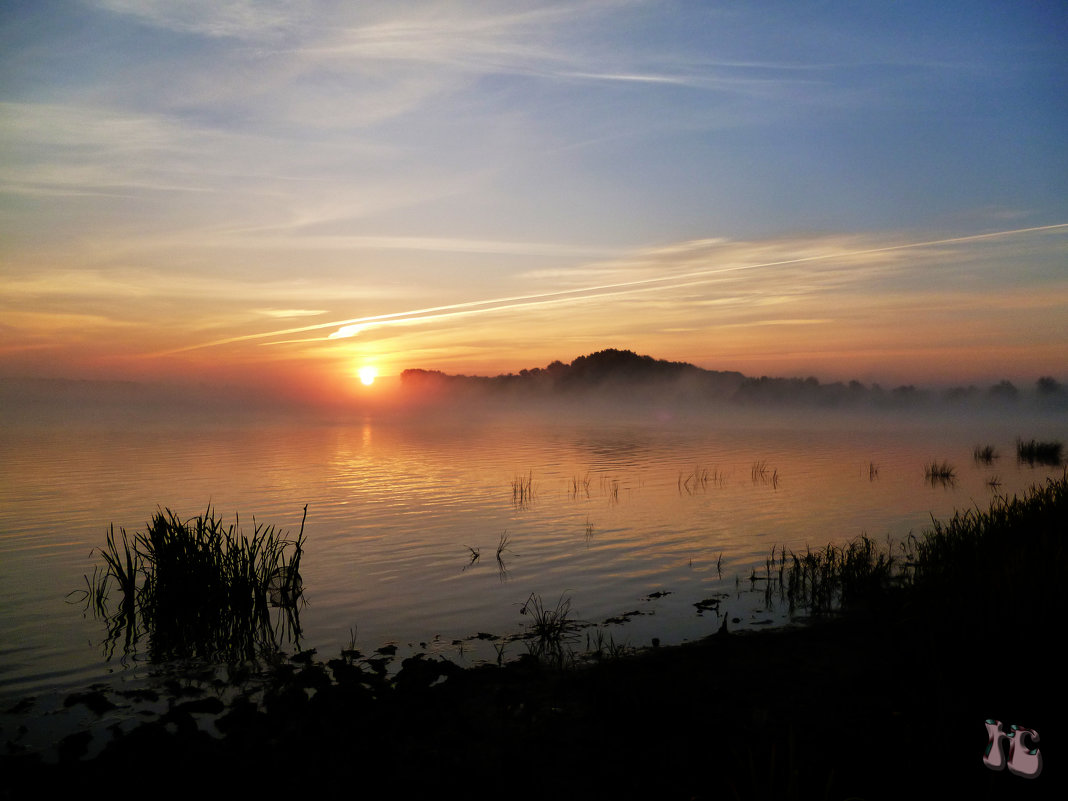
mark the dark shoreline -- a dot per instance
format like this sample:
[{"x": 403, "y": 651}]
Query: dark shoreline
[{"x": 872, "y": 705}]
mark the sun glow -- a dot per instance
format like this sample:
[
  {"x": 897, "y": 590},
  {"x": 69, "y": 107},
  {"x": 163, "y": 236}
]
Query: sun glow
[{"x": 367, "y": 375}]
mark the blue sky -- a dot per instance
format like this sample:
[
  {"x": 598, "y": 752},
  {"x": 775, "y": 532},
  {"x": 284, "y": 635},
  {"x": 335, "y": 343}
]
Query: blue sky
[{"x": 175, "y": 174}]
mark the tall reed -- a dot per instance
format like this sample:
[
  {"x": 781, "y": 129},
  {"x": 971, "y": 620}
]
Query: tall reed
[
  {"x": 199, "y": 588},
  {"x": 978, "y": 566},
  {"x": 999, "y": 561},
  {"x": 832, "y": 577},
  {"x": 523, "y": 490},
  {"x": 553, "y": 630},
  {"x": 580, "y": 486}
]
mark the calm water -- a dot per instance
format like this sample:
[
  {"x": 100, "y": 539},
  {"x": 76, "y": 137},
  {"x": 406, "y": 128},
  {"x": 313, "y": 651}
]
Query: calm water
[{"x": 394, "y": 509}]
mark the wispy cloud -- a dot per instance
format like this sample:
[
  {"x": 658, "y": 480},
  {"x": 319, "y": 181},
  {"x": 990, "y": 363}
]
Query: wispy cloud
[
  {"x": 290, "y": 313},
  {"x": 838, "y": 266},
  {"x": 323, "y": 113},
  {"x": 241, "y": 19},
  {"x": 428, "y": 244}
]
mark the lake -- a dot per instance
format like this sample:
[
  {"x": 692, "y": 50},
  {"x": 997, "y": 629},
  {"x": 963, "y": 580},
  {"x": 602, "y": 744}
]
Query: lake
[{"x": 644, "y": 516}]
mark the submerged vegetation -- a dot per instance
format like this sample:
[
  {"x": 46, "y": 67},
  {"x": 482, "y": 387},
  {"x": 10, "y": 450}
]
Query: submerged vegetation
[{"x": 198, "y": 588}]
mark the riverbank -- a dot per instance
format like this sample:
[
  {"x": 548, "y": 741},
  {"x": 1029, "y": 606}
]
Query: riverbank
[
  {"x": 858, "y": 707},
  {"x": 887, "y": 700}
]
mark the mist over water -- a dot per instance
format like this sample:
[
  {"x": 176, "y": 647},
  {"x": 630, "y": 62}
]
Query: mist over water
[{"x": 630, "y": 497}]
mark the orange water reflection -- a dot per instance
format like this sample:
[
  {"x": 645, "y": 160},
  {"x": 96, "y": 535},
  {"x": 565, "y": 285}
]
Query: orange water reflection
[{"x": 616, "y": 515}]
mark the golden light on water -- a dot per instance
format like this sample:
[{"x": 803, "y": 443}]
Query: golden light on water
[{"x": 367, "y": 375}]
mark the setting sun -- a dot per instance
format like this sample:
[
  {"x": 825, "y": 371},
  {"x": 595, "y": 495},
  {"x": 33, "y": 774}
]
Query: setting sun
[{"x": 367, "y": 375}]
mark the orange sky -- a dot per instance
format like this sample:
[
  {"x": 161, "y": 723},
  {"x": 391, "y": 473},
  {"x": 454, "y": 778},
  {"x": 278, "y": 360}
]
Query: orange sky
[
  {"x": 875, "y": 308},
  {"x": 278, "y": 194}
]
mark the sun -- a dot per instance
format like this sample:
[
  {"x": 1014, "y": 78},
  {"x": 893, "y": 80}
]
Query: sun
[{"x": 367, "y": 375}]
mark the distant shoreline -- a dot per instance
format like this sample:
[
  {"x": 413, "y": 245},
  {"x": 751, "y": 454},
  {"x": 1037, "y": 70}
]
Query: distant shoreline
[{"x": 619, "y": 380}]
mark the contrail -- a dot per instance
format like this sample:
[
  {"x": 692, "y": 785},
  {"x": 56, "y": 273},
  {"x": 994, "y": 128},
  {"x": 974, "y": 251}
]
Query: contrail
[{"x": 543, "y": 298}]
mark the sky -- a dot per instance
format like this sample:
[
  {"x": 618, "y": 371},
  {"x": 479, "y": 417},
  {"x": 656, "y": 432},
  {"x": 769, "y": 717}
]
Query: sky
[{"x": 283, "y": 193}]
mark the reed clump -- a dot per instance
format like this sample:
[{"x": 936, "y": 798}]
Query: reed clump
[
  {"x": 984, "y": 454},
  {"x": 762, "y": 474},
  {"x": 1017, "y": 545},
  {"x": 553, "y": 631},
  {"x": 198, "y": 588},
  {"x": 830, "y": 578},
  {"x": 610, "y": 488},
  {"x": 699, "y": 479},
  {"x": 579, "y": 486},
  {"x": 994, "y": 575},
  {"x": 940, "y": 473},
  {"x": 503, "y": 545},
  {"x": 523, "y": 490},
  {"x": 1035, "y": 452},
  {"x": 969, "y": 568}
]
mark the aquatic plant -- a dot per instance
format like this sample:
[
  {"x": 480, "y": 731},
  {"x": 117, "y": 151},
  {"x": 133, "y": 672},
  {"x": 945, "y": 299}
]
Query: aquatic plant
[
  {"x": 829, "y": 578},
  {"x": 944, "y": 473},
  {"x": 601, "y": 647},
  {"x": 351, "y": 653},
  {"x": 476, "y": 554},
  {"x": 1034, "y": 452},
  {"x": 1017, "y": 545},
  {"x": 580, "y": 486},
  {"x": 761, "y": 474},
  {"x": 610, "y": 487},
  {"x": 523, "y": 490},
  {"x": 984, "y": 454},
  {"x": 696, "y": 480},
  {"x": 502, "y": 546},
  {"x": 199, "y": 588},
  {"x": 553, "y": 630},
  {"x": 699, "y": 478}
]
